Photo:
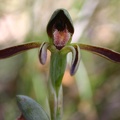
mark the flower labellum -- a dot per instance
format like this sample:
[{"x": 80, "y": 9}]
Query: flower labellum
[
  {"x": 60, "y": 28},
  {"x": 61, "y": 38}
]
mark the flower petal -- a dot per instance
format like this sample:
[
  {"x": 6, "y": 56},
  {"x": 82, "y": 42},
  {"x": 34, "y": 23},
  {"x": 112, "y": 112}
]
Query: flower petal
[
  {"x": 75, "y": 60},
  {"x": 43, "y": 52},
  {"x": 103, "y": 52},
  {"x": 74, "y": 48},
  {"x": 11, "y": 51}
]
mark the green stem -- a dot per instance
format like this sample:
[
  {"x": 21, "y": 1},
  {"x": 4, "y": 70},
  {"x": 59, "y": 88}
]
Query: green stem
[
  {"x": 57, "y": 69},
  {"x": 55, "y": 103}
]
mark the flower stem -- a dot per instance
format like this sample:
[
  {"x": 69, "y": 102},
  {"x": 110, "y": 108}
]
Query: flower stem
[
  {"x": 55, "y": 102},
  {"x": 55, "y": 95}
]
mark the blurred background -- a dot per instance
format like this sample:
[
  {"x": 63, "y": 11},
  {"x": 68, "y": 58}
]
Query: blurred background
[{"x": 94, "y": 92}]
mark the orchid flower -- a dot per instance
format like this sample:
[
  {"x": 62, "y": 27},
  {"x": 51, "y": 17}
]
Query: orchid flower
[{"x": 60, "y": 31}]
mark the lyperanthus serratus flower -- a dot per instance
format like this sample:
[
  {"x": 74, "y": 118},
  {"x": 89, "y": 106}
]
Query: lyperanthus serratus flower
[{"x": 60, "y": 30}]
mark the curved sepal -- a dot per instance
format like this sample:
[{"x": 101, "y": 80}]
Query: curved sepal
[
  {"x": 11, "y": 51},
  {"x": 43, "y": 52},
  {"x": 75, "y": 60},
  {"x": 30, "y": 109},
  {"x": 75, "y": 56},
  {"x": 103, "y": 52}
]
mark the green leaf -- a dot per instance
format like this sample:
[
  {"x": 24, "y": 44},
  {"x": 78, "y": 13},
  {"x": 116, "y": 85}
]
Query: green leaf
[{"x": 30, "y": 109}]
